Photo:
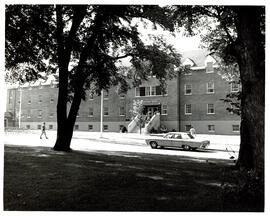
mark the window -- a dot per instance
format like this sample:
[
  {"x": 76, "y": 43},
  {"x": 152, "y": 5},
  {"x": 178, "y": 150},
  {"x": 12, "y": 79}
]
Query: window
[
  {"x": 234, "y": 87},
  {"x": 40, "y": 99},
  {"x": 28, "y": 113},
  {"x": 164, "y": 110},
  {"x": 210, "y": 109},
  {"x": 39, "y": 127},
  {"x": 187, "y": 127},
  {"x": 27, "y": 126},
  {"x": 106, "y": 95},
  {"x": 209, "y": 67},
  {"x": 78, "y": 114},
  {"x": 50, "y": 127},
  {"x": 51, "y": 115},
  {"x": 39, "y": 113},
  {"x": 122, "y": 111},
  {"x": 188, "y": 109},
  {"x": 236, "y": 128},
  {"x": 211, "y": 128},
  {"x": 91, "y": 112},
  {"x": 90, "y": 127},
  {"x": 52, "y": 100},
  {"x": 106, "y": 111},
  {"x": 29, "y": 101},
  {"x": 210, "y": 89},
  {"x": 105, "y": 127},
  {"x": 148, "y": 91},
  {"x": 122, "y": 96},
  {"x": 76, "y": 127},
  {"x": 188, "y": 89},
  {"x": 153, "y": 90}
]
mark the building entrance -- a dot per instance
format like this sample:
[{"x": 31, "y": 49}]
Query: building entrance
[{"x": 150, "y": 110}]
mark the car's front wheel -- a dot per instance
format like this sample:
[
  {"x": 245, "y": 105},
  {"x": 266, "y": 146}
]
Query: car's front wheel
[{"x": 153, "y": 144}]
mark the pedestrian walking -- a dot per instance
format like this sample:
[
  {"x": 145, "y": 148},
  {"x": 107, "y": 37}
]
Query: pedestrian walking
[
  {"x": 192, "y": 131},
  {"x": 43, "y": 131}
]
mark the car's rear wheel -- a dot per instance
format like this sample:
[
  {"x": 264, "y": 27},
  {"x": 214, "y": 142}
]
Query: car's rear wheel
[
  {"x": 186, "y": 147},
  {"x": 153, "y": 144}
]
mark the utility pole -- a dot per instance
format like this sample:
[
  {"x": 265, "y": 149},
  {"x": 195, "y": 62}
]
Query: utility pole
[{"x": 101, "y": 114}]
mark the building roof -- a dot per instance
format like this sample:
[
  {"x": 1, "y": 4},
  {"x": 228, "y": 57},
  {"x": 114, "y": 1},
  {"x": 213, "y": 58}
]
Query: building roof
[{"x": 198, "y": 57}]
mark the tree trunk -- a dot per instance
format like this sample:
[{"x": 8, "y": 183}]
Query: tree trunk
[
  {"x": 252, "y": 73},
  {"x": 64, "y": 47}
]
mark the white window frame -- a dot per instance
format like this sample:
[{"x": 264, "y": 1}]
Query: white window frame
[
  {"x": 29, "y": 114},
  {"x": 104, "y": 110},
  {"x": 207, "y": 88},
  {"x": 236, "y": 131},
  {"x": 164, "y": 111},
  {"x": 124, "y": 111},
  {"x": 188, "y": 89},
  {"x": 188, "y": 113},
  {"x": 211, "y": 131},
  {"x": 107, "y": 129},
  {"x": 106, "y": 95},
  {"x": 150, "y": 91},
  {"x": 210, "y": 113},
  {"x": 51, "y": 100},
  {"x": 40, "y": 113},
  {"x": 91, "y": 110},
  {"x": 238, "y": 87}
]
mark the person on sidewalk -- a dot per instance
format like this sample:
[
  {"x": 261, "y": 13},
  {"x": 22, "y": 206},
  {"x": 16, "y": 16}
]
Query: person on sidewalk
[
  {"x": 43, "y": 131},
  {"x": 192, "y": 131}
]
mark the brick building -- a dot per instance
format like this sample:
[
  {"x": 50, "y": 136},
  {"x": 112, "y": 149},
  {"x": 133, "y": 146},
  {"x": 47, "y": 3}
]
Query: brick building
[{"x": 190, "y": 99}]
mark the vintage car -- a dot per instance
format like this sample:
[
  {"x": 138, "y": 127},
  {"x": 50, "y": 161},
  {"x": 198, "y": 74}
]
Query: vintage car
[{"x": 178, "y": 140}]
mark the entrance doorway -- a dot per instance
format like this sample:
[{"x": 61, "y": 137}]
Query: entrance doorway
[{"x": 150, "y": 110}]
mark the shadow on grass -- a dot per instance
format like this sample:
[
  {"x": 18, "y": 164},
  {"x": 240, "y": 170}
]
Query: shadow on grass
[{"x": 38, "y": 178}]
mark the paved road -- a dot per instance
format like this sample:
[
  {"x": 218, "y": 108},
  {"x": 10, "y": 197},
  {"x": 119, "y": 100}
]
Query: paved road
[{"x": 114, "y": 144}]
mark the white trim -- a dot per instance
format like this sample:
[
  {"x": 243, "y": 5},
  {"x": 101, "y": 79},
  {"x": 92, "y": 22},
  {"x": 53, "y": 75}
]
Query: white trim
[
  {"x": 207, "y": 92},
  {"x": 186, "y": 109},
  {"x": 164, "y": 109},
  {"x": 185, "y": 89},
  {"x": 211, "y": 131},
  {"x": 208, "y": 109}
]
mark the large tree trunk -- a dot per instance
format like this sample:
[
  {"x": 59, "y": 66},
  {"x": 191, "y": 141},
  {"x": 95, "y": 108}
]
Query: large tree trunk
[
  {"x": 64, "y": 47},
  {"x": 252, "y": 73}
]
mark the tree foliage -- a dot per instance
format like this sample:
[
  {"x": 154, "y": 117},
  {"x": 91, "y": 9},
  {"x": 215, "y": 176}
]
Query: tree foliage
[{"x": 83, "y": 44}]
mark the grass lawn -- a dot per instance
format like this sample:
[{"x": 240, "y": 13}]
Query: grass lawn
[{"x": 38, "y": 179}]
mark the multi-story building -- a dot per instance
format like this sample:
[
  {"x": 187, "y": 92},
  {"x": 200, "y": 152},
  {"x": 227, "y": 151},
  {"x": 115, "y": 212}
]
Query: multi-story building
[{"x": 192, "y": 98}]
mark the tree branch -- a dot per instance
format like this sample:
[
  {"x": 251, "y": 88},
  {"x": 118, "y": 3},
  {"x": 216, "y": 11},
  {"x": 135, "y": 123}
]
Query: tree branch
[{"x": 224, "y": 25}]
